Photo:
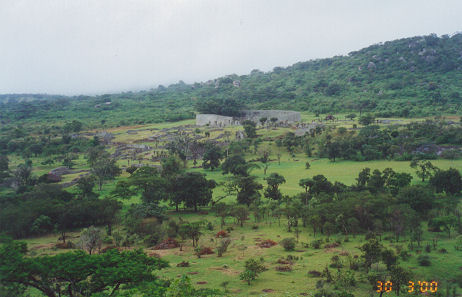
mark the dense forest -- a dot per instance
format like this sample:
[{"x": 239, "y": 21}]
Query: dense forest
[{"x": 408, "y": 77}]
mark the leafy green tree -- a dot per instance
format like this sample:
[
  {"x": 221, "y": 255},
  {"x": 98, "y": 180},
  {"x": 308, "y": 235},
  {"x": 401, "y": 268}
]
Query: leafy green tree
[
  {"x": 235, "y": 164},
  {"x": 424, "y": 169},
  {"x": 351, "y": 116},
  {"x": 85, "y": 186},
  {"x": 367, "y": 119},
  {"x": 290, "y": 142},
  {"x": 194, "y": 189},
  {"x": 241, "y": 213},
  {"x": 105, "y": 169},
  {"x": 4, "y": 161},
  {"x": 76, "y": 273},
  {"x": 371, "y": 252},
  {"x": 274, "y": 180},
  {"x": 123, "y": 190},
  {"x": 448, "y": 181},
  {"x": 252, "y": 269},
  {"x": 400, "y": 277},
  {"x": 389, "y": 258},
  {"x": 419, "y": 198},
  {"x": 247, "y": 188},
  {"x": 250, "y": 128},
  {"x": 148, "y": 181},
  {"x": 192, "y": 231},
  {"x": 212, "y": 156}
]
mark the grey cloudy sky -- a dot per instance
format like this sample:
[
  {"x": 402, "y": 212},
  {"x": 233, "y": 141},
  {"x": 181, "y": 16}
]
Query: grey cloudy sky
[{"x": 97, "y": 46}]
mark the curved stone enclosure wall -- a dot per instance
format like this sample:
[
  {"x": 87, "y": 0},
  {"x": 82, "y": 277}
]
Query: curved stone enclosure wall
[{"x": 214, "y": 120}]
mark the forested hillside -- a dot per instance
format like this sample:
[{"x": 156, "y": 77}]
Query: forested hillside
[{"x": 409, "y": 77}]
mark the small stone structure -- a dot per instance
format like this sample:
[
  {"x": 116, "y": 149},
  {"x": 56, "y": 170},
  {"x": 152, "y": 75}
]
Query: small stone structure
[{"x": 214, "y": 120}]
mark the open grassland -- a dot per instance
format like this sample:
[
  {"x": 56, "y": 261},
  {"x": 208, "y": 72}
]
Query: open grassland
[{"x": 211, "y": 271}]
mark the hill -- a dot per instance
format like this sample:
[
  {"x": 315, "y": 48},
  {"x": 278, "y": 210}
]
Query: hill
[{"x": 409, "y": 77}]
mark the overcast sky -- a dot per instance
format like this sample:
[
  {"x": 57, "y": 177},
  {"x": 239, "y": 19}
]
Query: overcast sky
[{"x": 97, "y": 46}]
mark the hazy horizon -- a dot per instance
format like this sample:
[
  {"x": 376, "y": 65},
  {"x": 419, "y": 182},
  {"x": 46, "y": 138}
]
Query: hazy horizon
[{"x": 86, "y": 47}]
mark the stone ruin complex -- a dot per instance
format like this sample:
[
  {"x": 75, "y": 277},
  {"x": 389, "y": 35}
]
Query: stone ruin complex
[{"x": 214, "y": 120}]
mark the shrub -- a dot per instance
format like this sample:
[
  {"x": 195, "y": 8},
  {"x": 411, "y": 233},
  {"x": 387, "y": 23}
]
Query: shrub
[
  {"x": 331, "y": 245},
  {"x": 168, "y": 243},
  {"x": 405, "y": 255},
  {"x": 223, "y": 246},
  {"x": 424, "y": 260},
  {"x": 267, "y": 243},
  {"x": 254, "y": 227},
  {"x": 288, "y": 244},
  {"x": 428, "y": 248},
  {"x": 314, "y": 273},
  {"x": 183, "y": 264},
  {"x": 209, "y": 226},
  {"x": 221, "y": 234},
  {"x": 284, "y": 268},
  {"x": 284, "y": 261},
  {"x": 336, "y": 262},
  {"x": 443, "y": 251},
  {"x": 206, "y": 251},
  {"x": 316, "y": 244},
  {"x": 458, "y": 245}
]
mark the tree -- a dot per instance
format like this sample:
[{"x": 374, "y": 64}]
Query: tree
[
  {"x": 419, "y": 198},
  {"x": 247, "y": 188},
  {"x": 76, "y": 273},
  {"x": 307, "y": 184},
  {"x": 448, "y": 181},
  {"x": 192, "y": 231},
  {"x": 85, "y": 186},
  {"x": 424, "y": 169},
  {"x": 212, "y": 156},
  {"x": 22, "y": 177},
  {"x": 351, "y": 116},
  {"x": 263, "y": 120},
  {"x": 235, "y": 164},
  {"x": 252, "y": 269},
  {"x": 371, "y": 252},
  {"x": 399, "y": 277},
  {"x": 443, "y": 223},
  {"x": 290, "y": 142},
  {"x": 222, "y": 211},
  {"x": 333, "y": 150},
  {"x": 273, "y": 121},
  {"x": 389, "y": 258},
  {"x": 105, "y": 169},
  {"x": 366, "y": 119},
  {"x": 376, "y": 182},
  {"x": 250, "y": 128},
  {"x": 194, "y": 189},
  {"x": 90, "y": 239},
  {"x": 363, "y": 178},
  {"x": 151, "y": 185},
  {"x": 241, "y": 213},
  {"x": 274, "y": 180},
  {"x": 123, "y": 190},
  {"x": 4, "y": 163}
]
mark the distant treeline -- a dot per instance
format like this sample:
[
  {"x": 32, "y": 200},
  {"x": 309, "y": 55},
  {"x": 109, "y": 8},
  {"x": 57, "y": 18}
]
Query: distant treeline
[{"x": 408, "y": 77}]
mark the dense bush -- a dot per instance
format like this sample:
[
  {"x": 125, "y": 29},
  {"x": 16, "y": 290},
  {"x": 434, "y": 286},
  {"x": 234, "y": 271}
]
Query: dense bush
[{"x": 288, "y": 244}]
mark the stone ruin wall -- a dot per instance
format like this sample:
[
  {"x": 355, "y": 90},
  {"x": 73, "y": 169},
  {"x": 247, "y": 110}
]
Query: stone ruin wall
[
  {"x": 282, "y": 115},
  {"x": 214, "y": 120}
]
